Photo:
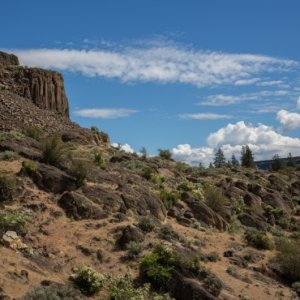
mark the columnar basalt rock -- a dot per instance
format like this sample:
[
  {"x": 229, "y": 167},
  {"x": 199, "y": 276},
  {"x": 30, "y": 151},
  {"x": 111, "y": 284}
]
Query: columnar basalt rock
[
  {"x": 8, "y": 59},
  {"x": 44, "y": 88}
]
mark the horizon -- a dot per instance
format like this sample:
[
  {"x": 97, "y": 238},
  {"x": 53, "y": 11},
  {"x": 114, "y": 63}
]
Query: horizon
[{"x": 188, "y": 77}]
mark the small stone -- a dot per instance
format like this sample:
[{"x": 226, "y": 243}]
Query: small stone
[{"x": 12, "y": 240}]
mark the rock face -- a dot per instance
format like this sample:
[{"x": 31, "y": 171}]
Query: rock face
[
  {"x": 44, "y": 88},
  {"x": 8, "y": 59}
]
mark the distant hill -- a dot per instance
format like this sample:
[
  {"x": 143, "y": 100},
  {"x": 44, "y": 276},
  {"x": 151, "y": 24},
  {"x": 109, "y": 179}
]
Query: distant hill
[{"x": 265, "y": 164}]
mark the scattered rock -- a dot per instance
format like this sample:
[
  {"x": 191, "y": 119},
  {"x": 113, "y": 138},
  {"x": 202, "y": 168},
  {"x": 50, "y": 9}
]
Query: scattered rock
[{"x": 11, "y": 240}]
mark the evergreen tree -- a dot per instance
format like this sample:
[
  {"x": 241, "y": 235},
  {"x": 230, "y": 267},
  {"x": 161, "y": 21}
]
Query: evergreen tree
[
  {"x": 290, "y": 161},
  {"x": 211, "y": 166},
  {"x": 277, "y": 163},
  {"x": 144, "y": 152},
  {"x": 234, "y": 161},
  {"x": 247, "y": 159},
  {"x": 219, "y": 161}
]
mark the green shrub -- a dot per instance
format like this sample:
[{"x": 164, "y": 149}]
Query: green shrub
[
  {"x": 33, "y": 132},
  {"x": 10, "y": 135},
  {"x": 288, "y": 259},
  {"x": 88, "y": 281},
  {"x": 94, "y": 129},
  {"x": 100, "y": 160},
  {"x": 52, "y": 150},
  {"x": 14, "y": 220},
  {"x": 7, "y": 187},
  {"x": 122, "y": 288},
  {"x": 9, "y": 155},
  {"x": 259, "y": 240},
  {"x": 146, "y": 223},
  {"x": 185, "y": 186},
  {"x": 134, "y": 250},
  {"x": 169, "y": 199},
  {"x": 149, "y": 174},
  {"x": 29, "y": 166},
  {"x": 213, "y": 284},
  {"x": 167, "y": 233},
  {"x": 53, "y": 292},
  {"x": 213, "y": 256},
  {"x": 215, "y": 199},
  {"x": 79, "y": 170},
  {"x": 165, "y": 153},
  {"x": 158, "y": 266}
]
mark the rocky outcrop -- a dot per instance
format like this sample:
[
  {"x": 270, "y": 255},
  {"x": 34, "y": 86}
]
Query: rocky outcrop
[
  {"x": 80, "y": 207},
  {"x": 203, "y": 213},
  {"x": 44, "y": 88},
  {"x": 8, "y": 59},
  {"x": 51, "y": 179}
]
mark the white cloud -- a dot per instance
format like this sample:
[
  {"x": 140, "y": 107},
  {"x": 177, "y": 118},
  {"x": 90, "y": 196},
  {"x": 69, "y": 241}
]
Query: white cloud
[
  {"x": 193, "y": 156},
  {"x": 204, "y": 116},
  {"x": 262, "y": 139},
  {"x": 298, "y": 103},
  {"x": 278, "y": 83},
  {"x": 104, "y": 113},
  {"x": 125, "y": 147},
  {"x": 159, "y": 63},
  {"x": 289, "y": 120},
  {"x": 222, "y": 100},
  {"x": 246, "y": 81}
]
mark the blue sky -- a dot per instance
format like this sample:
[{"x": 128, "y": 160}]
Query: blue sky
[{"x": 190, "y": 76}]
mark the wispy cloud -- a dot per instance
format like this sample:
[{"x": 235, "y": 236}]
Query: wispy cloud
[
  {"x": 104, "y": 113},
  {"x": 277, "y": 83},
  {"x": 204, "y": 116},
  {"x": 222, "y": 100},
  {"x": 158, "y": 62}
]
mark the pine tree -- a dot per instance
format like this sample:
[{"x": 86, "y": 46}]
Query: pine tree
[
  {"x": 211, "y": 166},
  {"x": 277, "y": 163},
  {"x": 234, "y": 161},
  {"x": 290, "y": 161},
  {"x": 219, "y": 161},
  {"x": 144, "y": 152},
  {"x": 247, "y": 159}
]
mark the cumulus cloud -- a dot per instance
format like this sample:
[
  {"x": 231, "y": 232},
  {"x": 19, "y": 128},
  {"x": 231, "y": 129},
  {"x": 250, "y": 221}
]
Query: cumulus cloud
[
  {"x": 168, "y": 63},
  {"x": 204, "y": 116},
  {"x": 125, "y": 147},
  {"x": 289, "y": 120},
  {"x": 262, "y": 139},
  {"x": 104, "y": 113},
  {"x": 193, "y": 156}
]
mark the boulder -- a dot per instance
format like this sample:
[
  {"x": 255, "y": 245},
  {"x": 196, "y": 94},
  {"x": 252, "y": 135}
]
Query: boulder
[
  {"x": 252, "y": 200},
  {"x": 52, "y": 179},
  {"x": 203, "y": 213},
  {"x": 27, "y": 147},
  {"x": 183, "y": 288},
  {"x": 143, "y": 201},
  {"x": 254, "y": 221},
  {"x": 80, "y": 207},
  {"x": 130, "y": 234}
]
